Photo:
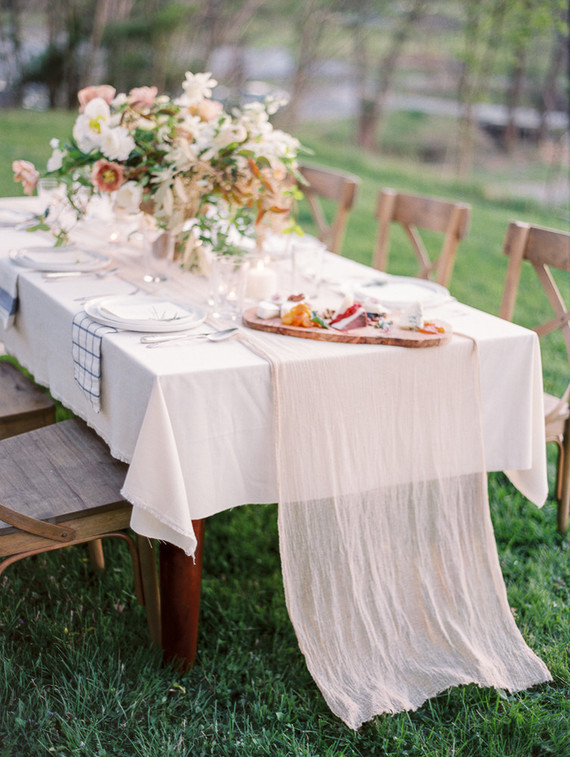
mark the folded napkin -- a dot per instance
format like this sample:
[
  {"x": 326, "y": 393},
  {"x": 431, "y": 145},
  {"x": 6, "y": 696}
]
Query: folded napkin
[
  {"x": 8, "y": 292},
  {"x": 144, "y": 311},
  {"x": 86, "y": 337}
]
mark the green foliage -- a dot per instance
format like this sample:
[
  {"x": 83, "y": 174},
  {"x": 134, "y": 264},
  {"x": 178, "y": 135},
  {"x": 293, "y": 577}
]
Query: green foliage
[{"x": 79, "y": 676}]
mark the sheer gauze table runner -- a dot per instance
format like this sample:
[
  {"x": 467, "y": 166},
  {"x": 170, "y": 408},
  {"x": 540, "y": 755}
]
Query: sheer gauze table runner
[{"x": 390, "y": 567}]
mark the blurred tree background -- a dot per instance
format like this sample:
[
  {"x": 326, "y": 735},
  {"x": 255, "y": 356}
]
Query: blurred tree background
[{"x": 494, "y": 72}]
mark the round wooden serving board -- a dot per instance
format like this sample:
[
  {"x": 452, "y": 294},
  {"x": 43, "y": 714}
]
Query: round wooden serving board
[{"x": 367, "y": 335}]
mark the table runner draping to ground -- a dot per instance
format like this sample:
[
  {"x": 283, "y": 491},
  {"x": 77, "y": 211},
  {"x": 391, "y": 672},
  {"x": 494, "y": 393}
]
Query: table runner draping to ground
[{"x": 390, "y": 567}]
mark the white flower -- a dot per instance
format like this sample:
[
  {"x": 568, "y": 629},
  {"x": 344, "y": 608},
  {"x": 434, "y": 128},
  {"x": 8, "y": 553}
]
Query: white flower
[
  {"x": 117, "y": 144},
  {"x": 119, "y": 100},
  {"x": 196, "y": 87},
  {"x": 145, "y": 124},
  {"x": 205, "y": 137},
  {"x": 182, "y": 156},
  {"x": 255, "y": 116},
  {"x": 280, "y": 144},
  {"x": 89, "y": 126},
  {"x": 275, "y": 103},
  {"x": 114, "y": 120},
  {"x": 193, "y": 125},
  {"x": 56, "y": 159},
  {"x": 230, "y": 133},
  {"x": 128, "y": 197}
]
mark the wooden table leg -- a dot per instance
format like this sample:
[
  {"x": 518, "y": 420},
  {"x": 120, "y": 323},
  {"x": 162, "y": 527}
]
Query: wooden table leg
[{"x": 180, "y": 581}]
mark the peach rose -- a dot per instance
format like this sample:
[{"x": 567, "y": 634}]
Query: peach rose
[
  {"x": 207, "y": 110},
  {"x": 107, "y": 176},
  {"x": 104, "y": 91},
  {"x": 142, "y": 97},
  {"x": 26, "y": 172}
]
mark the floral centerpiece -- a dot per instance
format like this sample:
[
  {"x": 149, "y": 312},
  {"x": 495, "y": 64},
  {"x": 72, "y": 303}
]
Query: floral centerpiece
[{"x": 178, "y": 159}]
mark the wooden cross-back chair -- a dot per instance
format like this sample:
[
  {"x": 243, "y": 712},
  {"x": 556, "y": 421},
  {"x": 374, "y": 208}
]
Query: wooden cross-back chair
[
  {"x": 415, "y": 212},
  {"x": 339, "y": 187},
  {"x": 60, "y": 487},
  {"x": 545, "y": 249},
  {"x": 23, "y": 405}
]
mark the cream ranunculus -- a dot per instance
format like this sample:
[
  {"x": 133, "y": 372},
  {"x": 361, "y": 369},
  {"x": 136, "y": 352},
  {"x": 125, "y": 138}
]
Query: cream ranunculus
[
  {"x": 128, "y": 197},
  {"x": 117, "y": 144}
]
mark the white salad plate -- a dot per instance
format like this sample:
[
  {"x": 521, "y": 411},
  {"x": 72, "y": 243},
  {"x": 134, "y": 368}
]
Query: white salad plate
[
  {"x": 400, "y": 291},
  {"x": 59, "y": 259},
  {"x": 145, "y": 313},
  {"x": 9, "y": 217}
]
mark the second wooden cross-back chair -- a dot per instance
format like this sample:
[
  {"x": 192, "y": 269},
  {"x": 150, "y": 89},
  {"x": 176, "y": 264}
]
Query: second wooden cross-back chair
[
  {"x": 545, "y": 249},
  {"x": 60, "y": 487},
  {"x": 23, "y": 405},
  {"x": 414, "y": 212},
  {"x": 338, "y": 187}
]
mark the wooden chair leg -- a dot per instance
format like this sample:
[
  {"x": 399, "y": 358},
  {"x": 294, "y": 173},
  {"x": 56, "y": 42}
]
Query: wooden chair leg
[
  {"x": 564, "y": 481},
  {"x": 151, "y": 590},
  {"x": 96, "y": 555}
]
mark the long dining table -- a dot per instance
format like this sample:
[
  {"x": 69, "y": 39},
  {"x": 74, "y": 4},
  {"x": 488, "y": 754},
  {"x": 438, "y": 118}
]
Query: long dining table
[{"x": 196, "y": 420}]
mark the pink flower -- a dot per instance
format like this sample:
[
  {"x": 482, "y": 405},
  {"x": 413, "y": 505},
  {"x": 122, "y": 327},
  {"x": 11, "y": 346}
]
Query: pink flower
[
  {"x": 25, "y": 172},
  {"x": 104, "y": 91},
  {"x": 107, "y": 176},
  {"x": 207, "y": 110},
  {"x": 142, "y": 97}
]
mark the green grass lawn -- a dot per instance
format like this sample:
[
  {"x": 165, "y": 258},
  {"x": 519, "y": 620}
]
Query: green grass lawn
[{"x": 78, "y": 675}]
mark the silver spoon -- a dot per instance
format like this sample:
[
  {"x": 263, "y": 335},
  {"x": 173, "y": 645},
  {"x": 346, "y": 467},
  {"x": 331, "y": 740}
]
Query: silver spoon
[{"x": 214, "y": 336}]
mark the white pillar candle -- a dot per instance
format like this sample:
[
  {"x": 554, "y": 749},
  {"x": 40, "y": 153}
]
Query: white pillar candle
[{"x": 261, "y": 282}]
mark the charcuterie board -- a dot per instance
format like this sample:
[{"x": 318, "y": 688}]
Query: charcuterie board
[{"x": 366, "y": 335}]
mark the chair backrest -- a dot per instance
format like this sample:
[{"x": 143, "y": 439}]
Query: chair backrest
[
  {"x": 23, "y": 405},
  {"x": 415, "y": 212},
  {"x": 337, "y": 186},
  {"x": 544, "y": 249}
]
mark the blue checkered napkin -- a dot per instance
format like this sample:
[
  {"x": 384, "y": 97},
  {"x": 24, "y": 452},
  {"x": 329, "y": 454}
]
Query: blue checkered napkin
[
  {"x": 86, "y": 337},
  {"x": 8, "y": 292}
]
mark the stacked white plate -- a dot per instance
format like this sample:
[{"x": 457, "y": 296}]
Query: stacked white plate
[
  {"x": 397, "y": 292},
  {"x": 144, "y": 313},
  {"x": 69, "y": 258}
]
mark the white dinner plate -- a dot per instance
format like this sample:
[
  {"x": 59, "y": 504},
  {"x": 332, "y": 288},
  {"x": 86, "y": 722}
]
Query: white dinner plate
[
  {"x": 67, "y": 258},
  {"x": 400, "y": 291},
  {"x": 144, "y": 313},
  {"x": 10, "y": 217}
]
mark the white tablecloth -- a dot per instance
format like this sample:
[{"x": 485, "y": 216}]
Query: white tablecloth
[
  {"x": 391, "y": 574},
  {"x": 196, "y": 421}
]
